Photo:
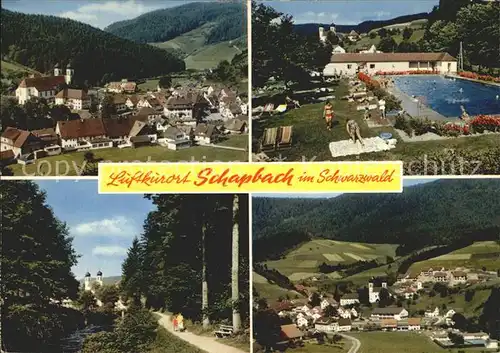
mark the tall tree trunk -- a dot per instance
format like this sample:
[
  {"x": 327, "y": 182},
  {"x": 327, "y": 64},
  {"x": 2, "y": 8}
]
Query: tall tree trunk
[
  {"x": 235, "y": 266},
  {"x": 204, "y": 283}
]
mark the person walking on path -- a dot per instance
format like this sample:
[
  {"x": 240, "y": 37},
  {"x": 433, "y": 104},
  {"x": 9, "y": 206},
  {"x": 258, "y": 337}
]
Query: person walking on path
[
  {"x": 328, "y": 114},
  {"x": 175, "y": 322},
  {"x": 180, "y": 322}
]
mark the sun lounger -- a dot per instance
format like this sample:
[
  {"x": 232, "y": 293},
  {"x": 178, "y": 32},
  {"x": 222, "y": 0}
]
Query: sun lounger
[
  {"x": 285, "y": 137},
  {"x": 269, "y": 139}
]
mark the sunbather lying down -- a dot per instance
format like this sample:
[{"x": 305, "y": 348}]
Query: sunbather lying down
[{"x": 352, "y": 128}]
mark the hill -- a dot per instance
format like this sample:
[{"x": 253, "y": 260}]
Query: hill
[
  {"x": 227, "y": 22},
  {"x": 434, "y": 213},
  {"x": 363, "y": 27},
  {"x": 197, "y": 54},
  {"x": 304, "y": 261},
  {"x": 10, "y": 67},
  {"x": 39, "y": 42}
]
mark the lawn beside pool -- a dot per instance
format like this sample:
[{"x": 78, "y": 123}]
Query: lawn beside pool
[
  {"x": 70, "y": 164},
  {"x": 311, "y": 139}
]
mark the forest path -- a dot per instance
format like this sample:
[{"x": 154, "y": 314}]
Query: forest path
[{"x": 205, "y": 343}]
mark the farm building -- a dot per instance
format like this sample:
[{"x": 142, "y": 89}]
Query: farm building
[{"x": 352, "y": 63}]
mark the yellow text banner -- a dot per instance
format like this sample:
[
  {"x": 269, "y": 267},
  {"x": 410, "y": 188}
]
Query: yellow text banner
[{"x": 250, "y": 177}]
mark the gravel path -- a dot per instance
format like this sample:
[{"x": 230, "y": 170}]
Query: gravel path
[{"x": 205, "y": 343}]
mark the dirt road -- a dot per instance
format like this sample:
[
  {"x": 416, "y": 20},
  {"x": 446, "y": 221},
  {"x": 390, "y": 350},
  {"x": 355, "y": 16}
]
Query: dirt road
[
  {"x": 205, "y": 343},
  {"x": 356, "y": 344}
]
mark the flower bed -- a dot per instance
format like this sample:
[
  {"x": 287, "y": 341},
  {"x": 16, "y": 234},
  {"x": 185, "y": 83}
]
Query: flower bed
[
  {"x": 486, "y": 122},
  {"x": 474, "y": 76},
  {"x": 409, "y": 72},
  {"x": 479, "y": 124}
]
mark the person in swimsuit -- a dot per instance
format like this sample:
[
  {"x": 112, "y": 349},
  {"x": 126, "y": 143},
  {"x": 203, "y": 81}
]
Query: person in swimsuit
[
  {"x": 352, "y": 128},
  {"x": 328, "y": 114}
]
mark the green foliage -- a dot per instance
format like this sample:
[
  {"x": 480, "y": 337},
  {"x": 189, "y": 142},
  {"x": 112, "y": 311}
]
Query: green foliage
[
  {"x": 266, "y": 328},
  {"x": 281, "y": 52},
  {"x": 169, "y": 261},
  {"x": 96, "y": 56},
  {"x": 168, "y": 343},
  {"x": 165, "y": 82},
  {"x": 407, "y": 32},
  {"x": 475, "y": 24},
  {"x": 163, "y": 25},
  {"x": 225, "y": 72},
  {"x": 102, "y": 342},
  {"x": 87, "y": 301},
  {"x": 108, "y": 295},
  {"x": 387, "y": 45}
]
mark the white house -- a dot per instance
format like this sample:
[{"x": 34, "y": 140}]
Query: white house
[
  {"x": 338, "y": 50},
  {"x": 20, "y": 142},
  {"x": 179, "y": 107},
  {"x": 344, "y": 325},
  {"x": 459, "y": 277},
  {"x": 353, "y": 36},
  {"x": 434, "y": 313},
  {"x": 389, "y": 313},
  {"x": 327, "y": 302},
  {"x": 82, "y": 134},
  {"x": 352, "y": 63},
  {"x": 372, "y": 49},
  {"x": 206, "y": 134},
  {"x": 450, "y": 314},
  {"x": 326, "y": 325},
  {"x": 174, "y": 138},
  {"x": 302, "y": 322},
  {"x": 75, "y": 99},
  {"x": 349, "y": 299},
  {"x": 414, "y": 324}
]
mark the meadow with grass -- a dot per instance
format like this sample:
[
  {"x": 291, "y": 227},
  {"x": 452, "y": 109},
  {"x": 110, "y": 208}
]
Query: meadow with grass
[{"x": 303, "y": 262}]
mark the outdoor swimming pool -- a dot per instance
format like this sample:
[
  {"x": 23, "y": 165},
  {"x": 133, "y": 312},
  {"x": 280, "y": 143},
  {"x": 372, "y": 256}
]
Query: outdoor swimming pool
[{"x": 445, "y": 95}]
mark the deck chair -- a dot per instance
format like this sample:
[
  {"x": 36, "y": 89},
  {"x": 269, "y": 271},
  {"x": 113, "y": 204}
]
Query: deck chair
[
  {"x": 285, "y": 137},
  {"x": 268, "y": 110},
  {"x": 269, "y": 139}
]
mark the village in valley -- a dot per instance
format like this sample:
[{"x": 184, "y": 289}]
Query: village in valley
[
  {"x": 316, "y": 294},
  {"x": 399, "y": 86},
  {"x": 189, "y": 113}
]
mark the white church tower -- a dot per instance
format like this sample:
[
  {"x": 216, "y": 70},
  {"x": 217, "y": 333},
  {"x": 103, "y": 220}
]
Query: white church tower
[
  {"x": 57, "y": 70},
  {"x": 99, "y": 278},
  {"x": 87, "y": 280},
  {"x": 69, "y": 74}
]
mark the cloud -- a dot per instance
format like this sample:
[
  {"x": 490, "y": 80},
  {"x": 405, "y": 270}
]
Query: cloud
[
  {"x": 109, "y": 250},
  {"x": 316, "y": 17},
  {"x": 381, "y": 14},
  {"x": 98, "y": 14},
  {"x": 117, "y": 226}
]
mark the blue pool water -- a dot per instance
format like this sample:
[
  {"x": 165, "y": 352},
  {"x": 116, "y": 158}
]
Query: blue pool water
[{"x": 445, "y": 95}]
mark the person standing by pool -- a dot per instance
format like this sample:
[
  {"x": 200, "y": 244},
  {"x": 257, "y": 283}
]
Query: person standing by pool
[
  {"x": 328, "y": 114},
  {"x": 464, "y": 115},
  {"x": 381, "y": 105},
  {"x": 352, "y": 128}
]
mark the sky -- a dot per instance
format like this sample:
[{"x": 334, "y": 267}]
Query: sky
[
  {"x": 98, "y": 13},
  {"x": 406, "y": 182},
  {"x": 103, "y": 226},
  {"x": 349, "y": 12}
]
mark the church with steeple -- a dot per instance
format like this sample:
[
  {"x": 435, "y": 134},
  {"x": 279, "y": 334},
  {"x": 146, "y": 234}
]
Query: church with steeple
[
  {"x": 88, "y": 281},
  {"x": 44, "y": 86}
]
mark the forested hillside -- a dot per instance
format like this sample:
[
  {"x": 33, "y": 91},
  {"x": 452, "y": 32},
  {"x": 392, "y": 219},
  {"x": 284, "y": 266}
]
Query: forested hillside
[
  {"x": 363, "y": 27},
  {"x": 229, "y": 21},
  {"x": 40, "y": 42},
  {"x": 439, "y": 212}
]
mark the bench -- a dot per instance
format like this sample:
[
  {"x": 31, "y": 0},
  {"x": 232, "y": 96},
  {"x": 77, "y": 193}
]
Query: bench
[{"x": 224, "y": 331}]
